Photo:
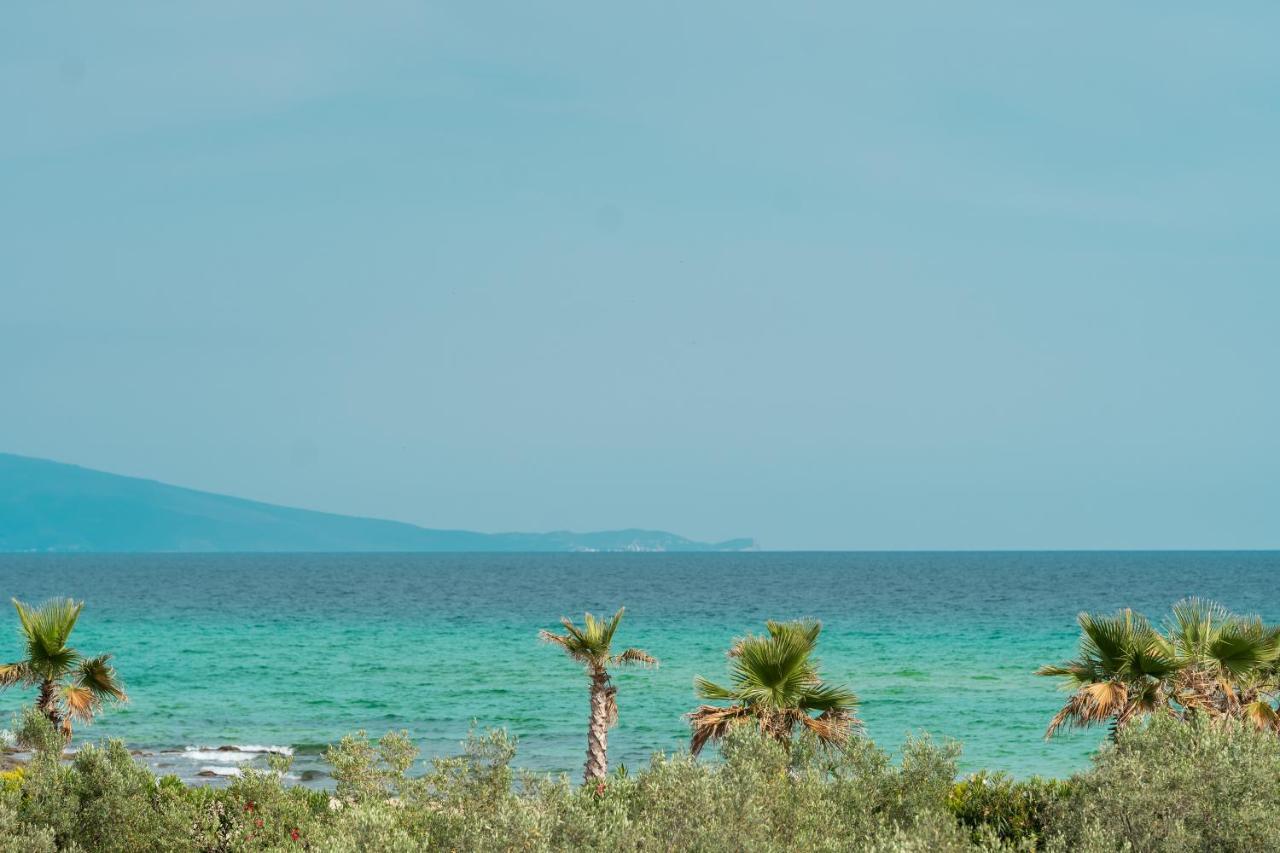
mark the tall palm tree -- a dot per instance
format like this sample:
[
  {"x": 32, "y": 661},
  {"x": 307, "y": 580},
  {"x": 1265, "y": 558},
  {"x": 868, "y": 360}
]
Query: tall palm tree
[
  {"x": 776, "y": 686},
  {"x": 72, "y": 686},
  {"x": 1123, "y": 671},
  {"x": 592, "y": 646}
]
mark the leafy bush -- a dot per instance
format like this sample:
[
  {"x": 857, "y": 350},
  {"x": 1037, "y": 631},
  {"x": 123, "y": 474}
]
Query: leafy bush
[
  {"x": 103, "y": 801},
  {"x": 34, "y": 732},
  {"x": 995, "y": 804},
  {"x": 762, "y": 797},
  {"x": 18, "y": 837},
  {"x": 1177, "y": 786},
  {"x": 367, "y": 771}
]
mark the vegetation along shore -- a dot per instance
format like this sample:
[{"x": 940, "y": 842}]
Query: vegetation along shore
[{"x": 1190, "y": 762}]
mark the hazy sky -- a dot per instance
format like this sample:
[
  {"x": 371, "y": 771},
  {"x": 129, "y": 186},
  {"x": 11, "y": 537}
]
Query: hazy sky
[{"x": 846, "y": 275}]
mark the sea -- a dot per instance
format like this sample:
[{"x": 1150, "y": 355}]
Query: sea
[{"x": 228, "y": 657}]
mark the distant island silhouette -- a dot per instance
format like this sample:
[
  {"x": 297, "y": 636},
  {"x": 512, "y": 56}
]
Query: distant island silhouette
[{"x": 52, "y": 506}]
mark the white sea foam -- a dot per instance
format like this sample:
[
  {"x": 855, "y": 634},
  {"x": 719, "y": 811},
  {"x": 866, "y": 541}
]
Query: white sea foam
[
  {"x": 234, "y": 754},
  {"x": 274, "y": 750},
  {"x": 220, "y": 756}
]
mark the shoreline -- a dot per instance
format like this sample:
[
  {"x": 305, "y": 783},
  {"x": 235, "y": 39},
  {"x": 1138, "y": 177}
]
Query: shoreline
[
  {"x": 202, "y": 766},
  {"x": 216, "y": 766}
]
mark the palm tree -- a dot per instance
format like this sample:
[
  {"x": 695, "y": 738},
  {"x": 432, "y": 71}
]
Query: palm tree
[
  {"x": 72, "y": 687},
  {"x": 1228, "y": 663},
  {"x": 1123, "y": 671},
  {"x": 775, "y": 685},
  {"x": 592, "y": 646}
]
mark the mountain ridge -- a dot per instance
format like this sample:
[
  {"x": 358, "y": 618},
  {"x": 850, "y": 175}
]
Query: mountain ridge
[{"x": 48, "y": 506}]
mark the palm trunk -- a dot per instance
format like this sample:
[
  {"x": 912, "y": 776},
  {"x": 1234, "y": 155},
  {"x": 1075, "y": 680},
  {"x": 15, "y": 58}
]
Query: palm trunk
[
  {"x": 598, "y": 732},
  {"x": 48, "y": 703}
]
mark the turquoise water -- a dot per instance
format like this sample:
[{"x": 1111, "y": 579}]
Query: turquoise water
[{"x": 296, "y": 650}]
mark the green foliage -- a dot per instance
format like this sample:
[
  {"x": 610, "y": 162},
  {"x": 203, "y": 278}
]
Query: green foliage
[
  {"x": 33, "y": 731},
  {"x": 994, "y": 804},
  {"x": 1204, "y": 784},
  {"x": 763, "y": 796},
  {"x": 103, "y": 801},
  {"x": 592, "y": 644},
  {"x": 19, "y": 837},
  {"x": 481, "y": 773},
  {"x": 367, "y": 771},
  {"x": 1207, "y": 662},
  {"x": 257, "y": 812},
  {"x": 775, "y": 685},
  {"x": 279, "y": 764},
  {"x": 366, "y": 827},
  {"x": 72, "y": 686}
]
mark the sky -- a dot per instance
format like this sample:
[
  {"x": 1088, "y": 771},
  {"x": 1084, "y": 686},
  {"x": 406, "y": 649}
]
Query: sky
[{"x": 830, "y": 275}]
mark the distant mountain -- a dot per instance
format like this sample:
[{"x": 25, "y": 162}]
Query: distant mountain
[{"x": 49, "y": 506}]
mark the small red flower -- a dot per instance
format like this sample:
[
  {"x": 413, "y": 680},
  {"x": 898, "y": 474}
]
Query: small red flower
[
  {"x": 248, "y": 807},
  {"x": 599, "y": 789},
  {"x": 294, "y": 834},
  {"x": 258, "y": 823}
]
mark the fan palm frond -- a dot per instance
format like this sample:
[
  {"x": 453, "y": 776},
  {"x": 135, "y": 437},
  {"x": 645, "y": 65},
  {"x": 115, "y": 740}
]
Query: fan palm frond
[
  {"x": 1262, "y": 715},
  {"x": 711, "y": 722},
  {"x": 634, "y": 657},
  {"x": 71, "y": 686},
  {"x": 775, "y": 684},
  {"x": 1208, "y": 661},
  {"x": 1091, "y": 704},
  {"x": 590, "y": 643},
  {"x": 80, "y": 702},
  {"x": 710, "y": 690},
  {"x": 1122, "y": 670},
  {"x": 833, "y": 727},
  {"x": 98, "y": 676},
  {"x": 46, "y": 629},
  {"x": 1242, "y": 647},
  {"x": 1194, "y": 624},
  {"x": 829, "y": 698},
  {"x": 15, "y": 673},
  {"x": 806, "y": 630},
  {"x": 559, "y": 640}
]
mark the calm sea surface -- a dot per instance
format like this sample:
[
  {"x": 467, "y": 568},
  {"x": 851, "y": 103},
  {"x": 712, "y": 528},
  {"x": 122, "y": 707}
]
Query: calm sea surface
[{"x": 296, "y": 650}]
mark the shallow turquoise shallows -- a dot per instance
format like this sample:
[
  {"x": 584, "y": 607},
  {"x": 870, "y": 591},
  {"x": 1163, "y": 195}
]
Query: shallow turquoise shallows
[{"x": 292, "y": 651}]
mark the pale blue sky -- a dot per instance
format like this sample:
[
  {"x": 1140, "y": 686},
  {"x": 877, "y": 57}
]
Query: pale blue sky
[{"x": 846, "y": 275}]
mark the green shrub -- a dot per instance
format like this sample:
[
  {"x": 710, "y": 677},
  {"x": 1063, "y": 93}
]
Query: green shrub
[
  {"x": 368, "y": 826},
  {"x": 104, "y": 801},
  {"x": 1177, "y": 786},
  {"x": 467, "y": 801},
  {"x": 33, "y": 731},
  {"x": 762, "y": 797},
  {"x": 19, "y": 837},
  {"x": 996, "y": 805},
  {"x": 366, "y": 771}
]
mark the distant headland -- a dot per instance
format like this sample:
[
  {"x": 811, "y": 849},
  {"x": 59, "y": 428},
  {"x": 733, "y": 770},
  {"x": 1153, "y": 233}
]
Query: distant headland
[{"x": 51, "y": 506}]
